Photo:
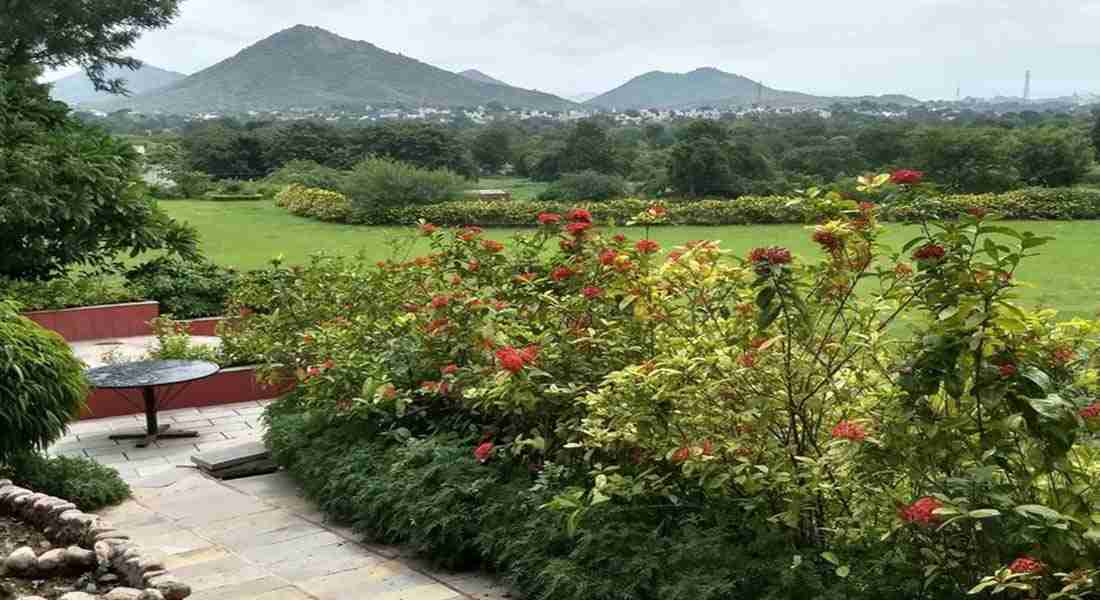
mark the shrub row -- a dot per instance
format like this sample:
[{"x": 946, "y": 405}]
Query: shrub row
[
  {"x": 66, "y": 292},
  {"x": 314, "y": 203},
  {"x": 1025, "y": 204}
]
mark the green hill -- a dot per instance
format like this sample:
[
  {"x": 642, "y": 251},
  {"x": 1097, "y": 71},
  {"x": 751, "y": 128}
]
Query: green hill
[
  {"x": 309, "y": 68},
  {"x": 78, "y": 89},
  {"x": 712, "y": 87},
  {"x": 482, "y": 77}
]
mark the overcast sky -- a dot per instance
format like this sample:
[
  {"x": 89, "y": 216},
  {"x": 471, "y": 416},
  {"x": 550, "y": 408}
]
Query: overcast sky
[{"x": 840, "y": 47}]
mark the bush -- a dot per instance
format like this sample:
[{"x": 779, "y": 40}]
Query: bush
[
  {"x": 42, "y": 385},
  {"x": 307, "y": 173},
  {"x": 184, "y": 289},
  {"x": 71, "y": 291},
  {"x": 586, "y": 185},
  {"x": 192, "y": 184},
  {"x": 1077, "y": 203},
  {"x": 314, "y": 203},
  {"x": 84, "y": 482},
  {"x": 379, "y": 183},
  {"x": 641, "y": 401}
]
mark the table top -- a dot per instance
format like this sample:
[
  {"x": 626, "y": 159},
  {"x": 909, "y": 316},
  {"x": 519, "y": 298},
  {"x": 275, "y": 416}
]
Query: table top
[{"x": 150, "y": 373}]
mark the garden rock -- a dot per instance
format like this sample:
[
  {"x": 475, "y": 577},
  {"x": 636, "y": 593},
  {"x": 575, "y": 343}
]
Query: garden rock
[
  {"x": 78, "y": 596},
  {"x": 50, "y": 561},
  {"x": 124, "y": 593},
  {"x": 23, "y": 560},
  {"x": 79, "y": 558},
  {"x": 170, "y": 587},
  {"x": 31, "y": 598},
  {"x": 151, "y": 594}
]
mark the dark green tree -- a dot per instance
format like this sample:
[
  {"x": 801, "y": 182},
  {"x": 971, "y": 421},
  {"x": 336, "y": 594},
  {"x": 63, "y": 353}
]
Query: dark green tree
[
  {"x": 492, "y": 149},
  {"x": 1095, "y": 134},
  {"x": 708, "y": 162},
  {"x": 1052, "y": 156},
  {"x": 966, "y": 160},
  {"x": 588, "y": 147},
  {"x": 225, "y": 150},
  {"x": 89, "y": 33},
  {"x": 424, "y": 145}
]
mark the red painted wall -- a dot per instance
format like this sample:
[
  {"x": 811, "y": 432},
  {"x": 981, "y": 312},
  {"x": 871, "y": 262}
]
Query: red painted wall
[
  {"x": 98, "y": 322},
  {"x": 227, "y": 387}
]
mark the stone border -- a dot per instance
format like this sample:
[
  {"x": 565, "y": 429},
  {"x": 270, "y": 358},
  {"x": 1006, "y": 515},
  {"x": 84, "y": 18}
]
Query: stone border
[{"x": 93, "y": 542}]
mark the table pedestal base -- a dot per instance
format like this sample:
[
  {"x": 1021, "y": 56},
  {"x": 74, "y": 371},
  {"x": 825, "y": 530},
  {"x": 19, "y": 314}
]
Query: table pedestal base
[{"x": 164, "y": 431}]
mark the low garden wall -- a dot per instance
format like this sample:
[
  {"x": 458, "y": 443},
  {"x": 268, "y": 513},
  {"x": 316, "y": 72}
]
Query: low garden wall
[
  {"x": 83, "y": 543},
  {"x": 97, "y": 322}
]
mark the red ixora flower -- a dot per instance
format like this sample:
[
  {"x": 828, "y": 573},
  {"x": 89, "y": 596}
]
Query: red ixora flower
[
  {"x": 1091, "y": 411},
  {"x": 827, "y": 239},
  {"x": 847, "y": 430},
  {"x": 657, "y": 211},
  {"x": 681, "y": 455},
  {"x": 764, "y": 258},
  {"x": 647, "y": 246},
  {"x": 607, "y": 257},
  {"x": 440, "y": 301},
  {"x": 428, "y": 229},
  {"x": 619, "y": 238},
  {"x": 977, "y": 212},
  {"x": 561, "y": 273},
  {"x": 592, "y": 292},
  {"x": 579, "y": 215},
  {"x": 483, "y": 452},
  {"x": 514, "y": 361},
  {"x": 930, "y": 252},
  {"x": 1007, "y": 370},
  {"x": 492, "y": 245},
  {"x": 922, "y": 511},
  {"x": 1026, "y": 564},
  {"x": 577, "y": 229},
  {"x": 906, "y": 177},
  {"x": 469, "y": 233},
  {"x": 1064, "y": 356},
  {"x": 547, "y": 218},
  {"x": 450, "y": 369}
]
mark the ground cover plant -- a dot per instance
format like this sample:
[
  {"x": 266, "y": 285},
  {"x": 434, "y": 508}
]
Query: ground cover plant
[{"x": 575, "y": 402}]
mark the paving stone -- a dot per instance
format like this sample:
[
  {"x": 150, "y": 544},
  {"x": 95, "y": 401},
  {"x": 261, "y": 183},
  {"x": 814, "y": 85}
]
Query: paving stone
[
  {"x": 293, "y": 549},
  {"x": 228, "y": 571},
  {"x": 248, "y": 590},
  {"x": 231, "y": 457},
  {"x": 388, "y": 579},
  {"x": 287, "y": 593},
  {"x": 322, "y": 561}
]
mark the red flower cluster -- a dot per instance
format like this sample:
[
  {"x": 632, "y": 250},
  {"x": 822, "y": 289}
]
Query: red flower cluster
[
  {"x": 450, "y": 369},
  {"x": 427, "y": 229},
  {"x": 440, "y": 301},
  {"x": 473, "y": 266},
  {"x": 681, "y": 455},
  {"x": 483, "y": 452},
  {"x": 514, "y": 361},
  {"x": 1091, "y": 411},
  {"x": 906, "y": 177},
  {"x": 549, "y": 218},
  {"x": 1007, "y": 370},
  {"x": 827, "y": 239},
  {"x": 847, "y": 430},
  {"x": 607, "y": 257},
  {"x": 1064, "y": 355},
  {"x": 647, "y": 246},
  {"x": 592, "y": 292},
  {"x": 469, "y": 233},
  {"x": 977, "y": 212},
  {"x": 921, "y": 511},
  {"x": 579, "y": 215},
  {"x": 656, "y": 211},
  {"x": 492, "y": 245},
  {"x": 619, "y": 238},
  {"x": 561, "y": 273},
  {"x": 1026, "y": 564},
  {"x": 578, "y": 228},
  {"x": 930, "y": 252},
  {"x": 775, "y": 255}
]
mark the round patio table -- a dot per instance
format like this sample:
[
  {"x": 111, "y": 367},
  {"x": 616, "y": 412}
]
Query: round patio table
[{"x": 149, "y": 375}]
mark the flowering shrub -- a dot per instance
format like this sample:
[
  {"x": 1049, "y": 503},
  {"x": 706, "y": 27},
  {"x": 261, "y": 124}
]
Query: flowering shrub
[
  {"x": 866, "y": 396},
  {"x": 316, "y": 203}
]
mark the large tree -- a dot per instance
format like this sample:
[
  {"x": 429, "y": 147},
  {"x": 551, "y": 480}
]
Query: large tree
[
  {"x": 91, "y": 33},
  {"x": 68, "y": 191},
  {"x": 1052, "y": 156},
  {"x": 707, "y": 161},
  {"x": 1096, "y": 131}
]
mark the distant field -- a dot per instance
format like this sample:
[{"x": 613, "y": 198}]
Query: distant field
[
  {"x": 248, "y": 234},
  {"x": 521, "y": 188}
]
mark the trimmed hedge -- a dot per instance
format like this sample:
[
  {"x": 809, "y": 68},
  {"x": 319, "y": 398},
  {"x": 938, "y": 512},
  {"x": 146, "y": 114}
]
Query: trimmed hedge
[
  {"x": 315, "y": 203},
  {"x": 1027, "y": 204}
]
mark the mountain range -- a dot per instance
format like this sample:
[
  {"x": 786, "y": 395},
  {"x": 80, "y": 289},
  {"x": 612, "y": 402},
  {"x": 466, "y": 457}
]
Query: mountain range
[
  {"x": 77, "y": 89},
  {"x": 310, "y": 68},
  {"x": 307, "y": 67},
  {"x": 711, "y": 87}
]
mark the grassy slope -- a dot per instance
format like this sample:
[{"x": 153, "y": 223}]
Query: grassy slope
[{"x": 248, "y": 234}]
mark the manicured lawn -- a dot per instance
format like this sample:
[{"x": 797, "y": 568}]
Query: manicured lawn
[
  {"x": 248, "y": 234},
  {"x": 521, "y": 188}
]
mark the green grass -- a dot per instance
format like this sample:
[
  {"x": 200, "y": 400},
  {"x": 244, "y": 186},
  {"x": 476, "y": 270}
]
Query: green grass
[
  {"x": 521, "y": 188},
  {"x": 247, "y": 235}
]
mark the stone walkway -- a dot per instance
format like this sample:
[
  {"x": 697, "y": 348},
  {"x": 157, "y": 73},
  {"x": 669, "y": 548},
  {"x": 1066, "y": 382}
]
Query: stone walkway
[{"x": 253, "y": 538}]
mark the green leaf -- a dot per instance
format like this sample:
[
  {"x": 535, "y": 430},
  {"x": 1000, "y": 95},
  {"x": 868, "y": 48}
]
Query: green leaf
[
  {"x": 984, "y": 513},
  {"x": 1038, "y": 510},
  {"x": 843, "y": 571},
  {"x": 829, "y": 556}
]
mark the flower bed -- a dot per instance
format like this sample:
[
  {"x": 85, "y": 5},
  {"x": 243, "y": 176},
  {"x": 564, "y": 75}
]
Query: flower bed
[
  {"x": 83, "y": 548},
  {"x": 586, "y": 411}
]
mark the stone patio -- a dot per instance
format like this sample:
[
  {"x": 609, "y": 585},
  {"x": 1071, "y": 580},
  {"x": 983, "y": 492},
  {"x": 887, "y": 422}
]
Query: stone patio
[{"x": 253, "y": 538}]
